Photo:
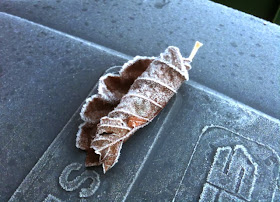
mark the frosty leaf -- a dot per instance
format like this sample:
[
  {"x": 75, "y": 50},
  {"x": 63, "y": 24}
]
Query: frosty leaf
[
  {"x": 95, "y": 108},
  {"x": 129, "y": 101},
  {"x": 111, "y": 88},
  {"x": 92, "y": 159},
  {"x": 112, "y": 156},
  {"x": 134, "y": 121},
  {"x": 146, "y": 97},
  {"x": 85, "y": 134}
]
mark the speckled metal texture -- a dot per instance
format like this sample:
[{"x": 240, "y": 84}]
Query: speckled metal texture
[
  {"x": 171, "y": 158},
  {"x": 48, "y": 67},
  {"x": 44, "y": 78},
  {"x": 239, "y": 59}
]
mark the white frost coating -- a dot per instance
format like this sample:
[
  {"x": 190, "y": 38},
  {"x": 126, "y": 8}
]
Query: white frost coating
[
  {"x": 147, "y": 155},
  {"x": 220, "y": 150},
  {"x": 79, "y": 180},
  {"x": 152, "y": 90},
  {"x": 161, "y": 71},
  {"x": 83, "y": 110},
  {"x": 157, "y": 81},
  {"x": 102, "y": 137},
  {"x": 103, "y": 89},
  {"x": 134, "y": 60},
  {"x": 114, "y": 126},
  {"x": 226, "y": 196},
  {"x": 97, "y": 150},
  {"x": 248, "y": 156},
  {"x": 148, "y": 97},
  {"x": 208, "y": 193},
  {"x": 107, "y": 154},
  {"x": 183, "y": 73},
  {"x": 237, "y": 160},
  {"x": 143, "y": 97},
  {"x": 168, "y": 56},
  {"x": 205, "y": 128},
  {"x": 106, "y": 119},
  {"x": 148, "y": 94},
  {"x": 168, "y": 60},
  {"x": 51, "y": 198},
  {"x": 117, "y": 157},
  {"x": 188, "y": 64},
  {"x": 78, "y": 137},
  {"x": 129, "y": 113},
  {"x": 228, "y": 100},
  {"x": 255, "y": 165}
]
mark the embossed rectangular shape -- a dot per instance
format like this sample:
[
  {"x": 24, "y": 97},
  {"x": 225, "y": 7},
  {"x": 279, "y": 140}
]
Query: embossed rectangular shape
[
  {"x": 171, "y": 158},
  {"x": 55, "y": 175},
  {"x": 180, "y": 160},
  {"x": 237, "y": 166}
]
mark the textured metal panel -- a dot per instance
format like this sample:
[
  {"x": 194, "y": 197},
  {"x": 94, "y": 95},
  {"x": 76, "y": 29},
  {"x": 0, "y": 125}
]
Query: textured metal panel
[{"x": 241, "y": 53}]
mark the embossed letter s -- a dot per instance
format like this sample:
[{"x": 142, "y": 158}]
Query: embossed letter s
[{"x": 79, "y": 180}]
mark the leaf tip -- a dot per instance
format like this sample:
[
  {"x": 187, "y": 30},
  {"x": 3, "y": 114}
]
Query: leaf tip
[{"x": 105, "y": 168}]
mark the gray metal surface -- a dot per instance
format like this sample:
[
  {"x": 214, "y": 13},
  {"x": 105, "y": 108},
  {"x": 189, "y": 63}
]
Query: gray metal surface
[
  {"x": 241, "y": 53},
  {"x": 170, "y": 158},
  {"x": 44, "y": 78},
  {"x": 46, "y": 74}
]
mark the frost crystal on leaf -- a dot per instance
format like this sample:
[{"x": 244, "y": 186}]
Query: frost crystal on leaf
[{"x": 127, "y": 102}]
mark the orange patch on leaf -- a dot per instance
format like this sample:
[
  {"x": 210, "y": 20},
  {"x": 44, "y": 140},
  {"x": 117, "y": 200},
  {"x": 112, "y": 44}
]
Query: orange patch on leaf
[{"x": 135, "y": 121}]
